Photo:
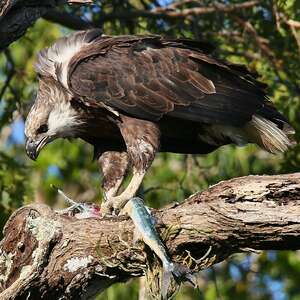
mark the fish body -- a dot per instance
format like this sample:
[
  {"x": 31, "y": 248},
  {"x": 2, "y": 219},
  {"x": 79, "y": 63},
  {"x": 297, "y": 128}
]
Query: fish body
[{"x": 144, "y": 224}]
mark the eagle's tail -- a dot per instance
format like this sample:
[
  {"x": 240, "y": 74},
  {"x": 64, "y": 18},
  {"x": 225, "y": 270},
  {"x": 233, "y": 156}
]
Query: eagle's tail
[{"x": 269, "y": 135}]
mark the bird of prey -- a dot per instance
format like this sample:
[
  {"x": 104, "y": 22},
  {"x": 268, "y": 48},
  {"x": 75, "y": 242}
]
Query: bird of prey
[{"x": 132, "y": 96}]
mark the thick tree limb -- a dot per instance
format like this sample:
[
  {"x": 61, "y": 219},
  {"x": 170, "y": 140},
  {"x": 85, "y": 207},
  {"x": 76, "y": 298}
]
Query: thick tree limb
[
  {"x": 46, "y": 255},
  {"x": 17, "y": 15}
]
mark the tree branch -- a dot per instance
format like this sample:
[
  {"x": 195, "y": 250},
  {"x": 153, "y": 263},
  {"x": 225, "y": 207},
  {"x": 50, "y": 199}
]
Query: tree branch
[
  {"x": 170, "y": 13},
  {"x": 10, "y": 72},
  {"x": 67, "y": 20},
  {"x": 45, "y": 255},
  {"x": 17, "y": 15}
]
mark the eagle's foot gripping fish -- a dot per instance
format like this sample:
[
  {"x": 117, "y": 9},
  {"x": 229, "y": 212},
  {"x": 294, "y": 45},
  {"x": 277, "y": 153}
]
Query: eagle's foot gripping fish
[
  {"x": 145, "y": 227},
  {"x": 144, "y": 224}
]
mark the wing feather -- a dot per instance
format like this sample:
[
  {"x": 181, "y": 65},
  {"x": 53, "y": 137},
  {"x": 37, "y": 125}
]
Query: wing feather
[{"x": 151, "y": 77}]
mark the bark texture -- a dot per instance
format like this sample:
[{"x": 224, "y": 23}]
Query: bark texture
[{"x": 47, "y": 255}]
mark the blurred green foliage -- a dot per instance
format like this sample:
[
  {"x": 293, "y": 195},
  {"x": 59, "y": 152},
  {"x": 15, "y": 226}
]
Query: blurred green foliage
[{"x": 259, "y": 37}]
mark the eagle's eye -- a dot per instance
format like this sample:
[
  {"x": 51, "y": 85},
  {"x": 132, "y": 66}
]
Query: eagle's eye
[{"x": 42, "y": 129}]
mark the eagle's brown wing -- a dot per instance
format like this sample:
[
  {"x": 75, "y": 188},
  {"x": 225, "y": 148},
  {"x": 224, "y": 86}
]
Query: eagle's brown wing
[{"x": 149, "y": 77}]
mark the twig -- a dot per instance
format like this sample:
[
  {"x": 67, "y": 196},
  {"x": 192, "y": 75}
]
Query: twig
[
  {"x": 294, "y": 32},
  {"x": 293, "y": 23},
  {"x": 11, "y": 72},
  {"x": 167, "y": 13},
  {"x": 262, "y": 43}
]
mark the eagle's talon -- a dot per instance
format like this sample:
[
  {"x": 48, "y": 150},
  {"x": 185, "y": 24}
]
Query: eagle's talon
[
  {"x": 73, "y": 210},
  {"x": 119, "y": 205},
  {"x": 107, "y": 208},
  {"x": 105, "y": 198},
  {"x": 113, "y": 206}
]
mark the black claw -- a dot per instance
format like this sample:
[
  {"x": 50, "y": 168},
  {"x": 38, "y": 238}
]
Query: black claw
[{"x": 116, "y": 211}]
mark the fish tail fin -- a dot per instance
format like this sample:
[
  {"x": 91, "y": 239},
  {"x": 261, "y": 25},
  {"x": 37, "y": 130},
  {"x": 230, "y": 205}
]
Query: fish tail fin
[
  {"x": 167, "y": 274},
  {"x": 183, "y": 274},
  {"x": 177, "y": 272}
]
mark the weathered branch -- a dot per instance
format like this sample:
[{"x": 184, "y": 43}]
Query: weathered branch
[
  {"x": 47, "y": 255},
  {"x": 17, "y": 15}
]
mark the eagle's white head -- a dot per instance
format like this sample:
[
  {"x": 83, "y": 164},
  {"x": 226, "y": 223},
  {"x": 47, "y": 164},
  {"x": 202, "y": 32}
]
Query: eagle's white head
[{"x": 52, "y": 115}]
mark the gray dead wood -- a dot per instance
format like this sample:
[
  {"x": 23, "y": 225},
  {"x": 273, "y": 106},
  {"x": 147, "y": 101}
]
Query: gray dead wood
[{"x": 45, "y": 255}]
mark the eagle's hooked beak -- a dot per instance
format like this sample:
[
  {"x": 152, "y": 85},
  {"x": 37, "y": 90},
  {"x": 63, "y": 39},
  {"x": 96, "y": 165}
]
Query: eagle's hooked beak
[{"x": 33, "y": 148}]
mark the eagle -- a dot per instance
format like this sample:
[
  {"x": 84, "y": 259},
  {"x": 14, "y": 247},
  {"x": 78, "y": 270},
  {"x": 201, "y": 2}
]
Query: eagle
[{"x": 131, "y": 96}]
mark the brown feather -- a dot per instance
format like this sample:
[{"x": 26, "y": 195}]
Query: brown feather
[{"x": 149, "y": 77}]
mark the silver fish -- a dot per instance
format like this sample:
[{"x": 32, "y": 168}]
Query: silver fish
[{"x": 144, "y": 223}]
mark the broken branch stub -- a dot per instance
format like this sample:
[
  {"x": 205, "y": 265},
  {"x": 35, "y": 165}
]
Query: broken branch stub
[{"x": 48, "y": 255}]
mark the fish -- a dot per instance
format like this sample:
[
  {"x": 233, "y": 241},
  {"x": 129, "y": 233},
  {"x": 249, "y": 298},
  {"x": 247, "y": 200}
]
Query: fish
[
  {"x": 145, "y": 225},
  {"x": 77, "y": 209}
]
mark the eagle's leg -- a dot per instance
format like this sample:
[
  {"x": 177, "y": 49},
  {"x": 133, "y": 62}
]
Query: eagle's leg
[
  {"x": 116, "y": 203},
  {"x": 114, "y": 166},
  {"x": 142, "y": 141}
]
